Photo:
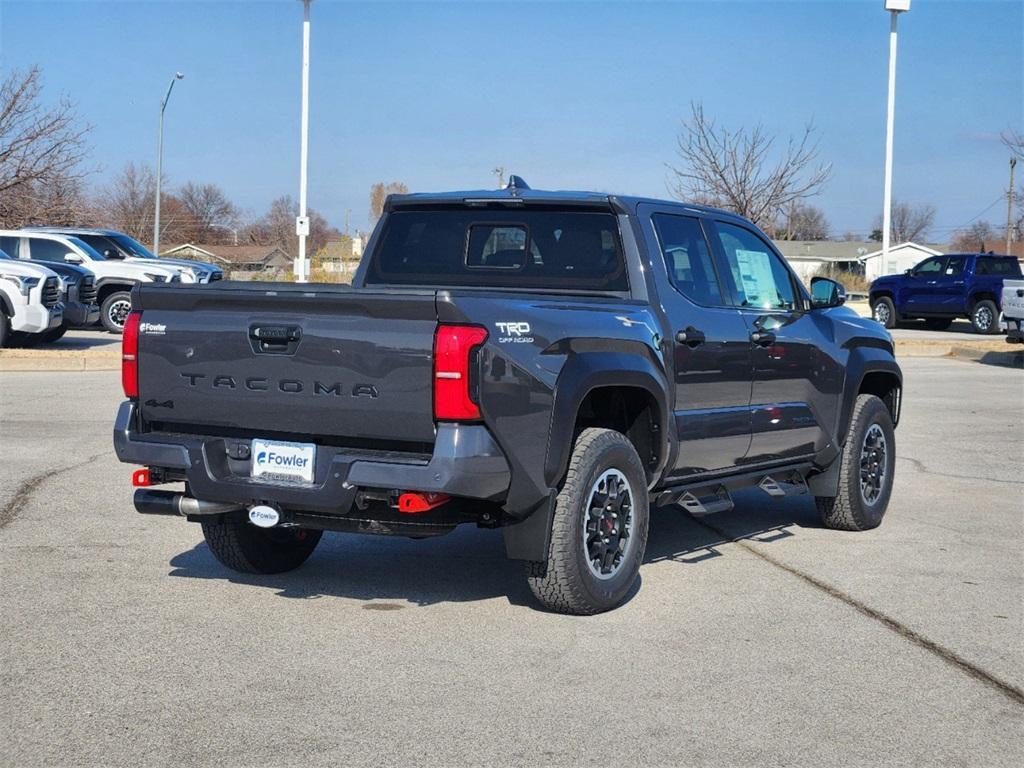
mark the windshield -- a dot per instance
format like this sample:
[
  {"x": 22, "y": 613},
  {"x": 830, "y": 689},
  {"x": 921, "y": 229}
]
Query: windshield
[
  {"x": 89, "y": 251},
  {"x": 132, "y": 246}
]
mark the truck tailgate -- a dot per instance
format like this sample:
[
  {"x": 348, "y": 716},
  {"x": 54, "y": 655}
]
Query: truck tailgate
[{"x": 282, "y": 361}]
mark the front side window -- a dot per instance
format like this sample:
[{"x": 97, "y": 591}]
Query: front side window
[
  {"x": 761, "y": 279},
  {"x": 955, "y": 265},
  {"x": 688, "y": 258},
  {"x": 932, "y": 266},
  {"x": 10, "y": 246},
  {"x": 47, "y": 250}
]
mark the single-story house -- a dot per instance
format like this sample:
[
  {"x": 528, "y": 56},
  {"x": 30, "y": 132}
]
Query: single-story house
[
  {"x": 807, "y": 257},
  {"x": 237, "y": 258},
  {"x": 901, "y": 258}
]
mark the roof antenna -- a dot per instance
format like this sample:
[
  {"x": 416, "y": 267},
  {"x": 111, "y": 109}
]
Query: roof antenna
[{"x": 516, "y": 182}]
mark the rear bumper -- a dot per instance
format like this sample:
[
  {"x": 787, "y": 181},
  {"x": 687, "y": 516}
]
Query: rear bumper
[{"x": 466, "y": 462}]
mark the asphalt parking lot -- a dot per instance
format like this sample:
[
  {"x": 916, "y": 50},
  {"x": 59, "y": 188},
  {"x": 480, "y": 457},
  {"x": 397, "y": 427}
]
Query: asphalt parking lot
[{"x": 757, "y": 638}]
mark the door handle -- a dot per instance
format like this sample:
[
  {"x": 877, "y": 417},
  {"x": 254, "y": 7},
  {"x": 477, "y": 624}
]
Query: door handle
[
  {"x": 691, "y": 337},
  {"x": 763, "y": 338}
]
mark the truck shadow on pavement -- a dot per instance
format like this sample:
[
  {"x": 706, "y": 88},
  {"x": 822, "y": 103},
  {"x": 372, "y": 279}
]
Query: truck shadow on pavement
[{"x": 469, "y": 564}]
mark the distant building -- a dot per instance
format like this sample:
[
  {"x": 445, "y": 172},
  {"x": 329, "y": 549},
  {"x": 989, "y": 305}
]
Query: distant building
[
  {"x": 235, "y": 258},
  {"x": 901, "y": 258},
  {"x": 808, "y": 257}
]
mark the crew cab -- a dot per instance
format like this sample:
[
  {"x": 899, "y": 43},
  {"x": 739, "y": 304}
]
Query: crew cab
[
  {"x": 547, "y": 363},
  {"x": 943, "y": 288},
  {"x": 29, "y": 300},
  {"x": 114, "y": 279},
  {"x": 116, "y": 245}
]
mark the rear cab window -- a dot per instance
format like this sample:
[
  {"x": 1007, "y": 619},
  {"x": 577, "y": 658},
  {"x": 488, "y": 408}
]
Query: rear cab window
[{"x": 519, "y": 248}]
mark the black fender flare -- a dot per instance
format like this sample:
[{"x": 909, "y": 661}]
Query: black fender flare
[
  {"x": 118, "y": 283},
  {"x": 587, "y": 371},
  {"x": 864, "y": 359},
  {"x": 6, "y": 305}
]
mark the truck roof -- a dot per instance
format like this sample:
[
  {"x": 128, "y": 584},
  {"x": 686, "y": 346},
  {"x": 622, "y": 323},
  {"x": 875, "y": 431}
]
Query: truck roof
[{"x": 525, "y": 196}]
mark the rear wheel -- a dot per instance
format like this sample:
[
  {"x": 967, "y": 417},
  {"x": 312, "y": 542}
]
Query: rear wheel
[
  {"x": 243, "y": 547},
  {"x": 599, "y": 531},
  {"x": 938, "y": 323},
  {"x": 884, "y": 311},
  {"x": 114, "y": 311},
  {"x": 985, "y": 317},
  {"x": 866, "y": 469}
]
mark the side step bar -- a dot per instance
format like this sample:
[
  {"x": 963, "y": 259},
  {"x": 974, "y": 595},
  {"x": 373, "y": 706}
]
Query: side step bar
[{"x": 711, "y": 497}]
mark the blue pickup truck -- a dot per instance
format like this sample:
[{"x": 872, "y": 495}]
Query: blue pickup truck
[{"x": 943, "y": 288}]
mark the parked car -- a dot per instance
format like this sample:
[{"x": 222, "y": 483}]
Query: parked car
[
  {"x": 78, "y": 295},
  {"x": 29, "y": 300},
  {"x": 1013, "y": 310},
  {"x": 114, "y": 279},
  {"x": 117, "y": 245},
  {"x": 550, "y": 363},
  {"x": 943, "y": 288}
]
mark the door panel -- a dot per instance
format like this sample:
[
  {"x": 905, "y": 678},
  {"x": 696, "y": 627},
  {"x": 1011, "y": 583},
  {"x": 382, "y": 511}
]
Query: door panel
[
  {"x": 796, "y": 382},
  {"x": 920, "y": 292},
  {"x": 710, "y": 361},
  {"x": 948, "y": 287}
]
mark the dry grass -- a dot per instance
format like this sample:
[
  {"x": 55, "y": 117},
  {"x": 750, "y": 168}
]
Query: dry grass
[{"x": 852, "y": 282}]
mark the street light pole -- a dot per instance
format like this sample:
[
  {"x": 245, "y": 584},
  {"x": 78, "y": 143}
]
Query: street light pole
[
  {"x": 302, "y": 222},
  {"x": 895, "y": 8},
  {"x": 159, "y": 163}
]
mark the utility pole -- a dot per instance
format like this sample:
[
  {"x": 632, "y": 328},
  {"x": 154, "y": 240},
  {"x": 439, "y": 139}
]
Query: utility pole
[
  {"x": 348, "y": 214},
  {"x": 302, "y": 221},
  {"x": 159, "y": 164},
  {"x": 1009, "y": 207},
  {"x": 895, "y": 8}
]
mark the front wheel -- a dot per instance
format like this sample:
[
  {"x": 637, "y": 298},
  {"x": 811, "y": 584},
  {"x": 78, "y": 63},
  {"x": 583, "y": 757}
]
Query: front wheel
[
  {"x": 241, "y": 546},
  {"x": 884, "y": 312},
  {"x": 114, "y": 311},
  {"x": 5, "y": 329},
  {"x": 985, "y": 317},
  {"x": 599, "y": 531},
  {"x": 866, "y": 470}
]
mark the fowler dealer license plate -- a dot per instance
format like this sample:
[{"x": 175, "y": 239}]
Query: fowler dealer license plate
[{"x": 273, "y": 459}]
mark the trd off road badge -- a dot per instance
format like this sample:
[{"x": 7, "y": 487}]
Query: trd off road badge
[{"x": 514, "y": 333}]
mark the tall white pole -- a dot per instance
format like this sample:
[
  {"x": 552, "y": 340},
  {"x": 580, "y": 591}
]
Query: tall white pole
[
  {"x": 887, "y": 201},
  {"x": 302, "y": 223}
]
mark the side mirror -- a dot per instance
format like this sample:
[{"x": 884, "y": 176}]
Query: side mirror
[
  {"x": 826, "y": 293},
  {"x": 908, "y": 272},
  {"x": 72, "y": 258}
]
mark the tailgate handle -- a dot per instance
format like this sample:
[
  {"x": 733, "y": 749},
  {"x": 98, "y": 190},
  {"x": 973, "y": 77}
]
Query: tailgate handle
[{"x": 274, "y": 339}]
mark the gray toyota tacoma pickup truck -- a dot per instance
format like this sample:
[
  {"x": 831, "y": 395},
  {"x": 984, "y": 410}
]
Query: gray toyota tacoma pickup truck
[{"x": 549, "y": 363}]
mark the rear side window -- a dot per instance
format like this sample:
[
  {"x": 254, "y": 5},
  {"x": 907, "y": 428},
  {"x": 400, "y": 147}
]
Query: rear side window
[
  {"x": 503, "y": 248},
  {"x": 9, "y": 245},
  {"x": 688, "y": 258},
  {"x": 992, "y": 266}
]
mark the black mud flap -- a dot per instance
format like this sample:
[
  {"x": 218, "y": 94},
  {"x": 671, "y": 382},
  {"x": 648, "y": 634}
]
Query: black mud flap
[
  {"x": 530, "y": 539},
  {"x": 826, "y": 483}
]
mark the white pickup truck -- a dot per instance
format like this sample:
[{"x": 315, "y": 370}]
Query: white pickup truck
[
  {"x": 30, "y": 297},
  {"x": 1013, "y": 310}
]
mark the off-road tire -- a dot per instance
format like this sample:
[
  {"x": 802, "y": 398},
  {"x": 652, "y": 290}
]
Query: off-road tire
[
  {"x": 893, "y": 316},
  {"x": 5, "y": 329},
  {"x": 986, "y": 308},
  {"x": 938, "y": 323},
  {"x": 849, "y": 511},
  {"x": 113, "y": 298},
  {"x": 564, "y": 582},
  {"x": 243, "y": 547}
]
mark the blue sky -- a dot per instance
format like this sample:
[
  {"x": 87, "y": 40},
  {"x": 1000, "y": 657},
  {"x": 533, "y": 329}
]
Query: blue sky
[{"x": 566, "y": 94}]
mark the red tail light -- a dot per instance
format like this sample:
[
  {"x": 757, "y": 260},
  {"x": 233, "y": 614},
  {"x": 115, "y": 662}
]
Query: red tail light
[
  {"x": 130, "y": 355},
  {"x": 453, "y": 353}
]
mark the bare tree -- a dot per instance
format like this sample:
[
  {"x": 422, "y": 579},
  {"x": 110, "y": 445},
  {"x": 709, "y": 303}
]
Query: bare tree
[
  {"x": 379, "y": 193},
  {"x": 126, "y": 204},
  {"x": 42, "y": 154},
  {"x": 1014, "y": 141},
  {"x": 803, "y": 222},
  {"x": 277, "y": 227},
  {"x": 979, "y": 237},
  {"x": 743, "y": 171},
  {"x": 209, "y": 215},
  {"x": 909, "y": 221}
]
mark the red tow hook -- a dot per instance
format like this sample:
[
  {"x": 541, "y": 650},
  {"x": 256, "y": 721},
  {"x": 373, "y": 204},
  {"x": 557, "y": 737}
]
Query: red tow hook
[
  {"x": 140, "y": 478},
  {"x": 413, "y": 503}
]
